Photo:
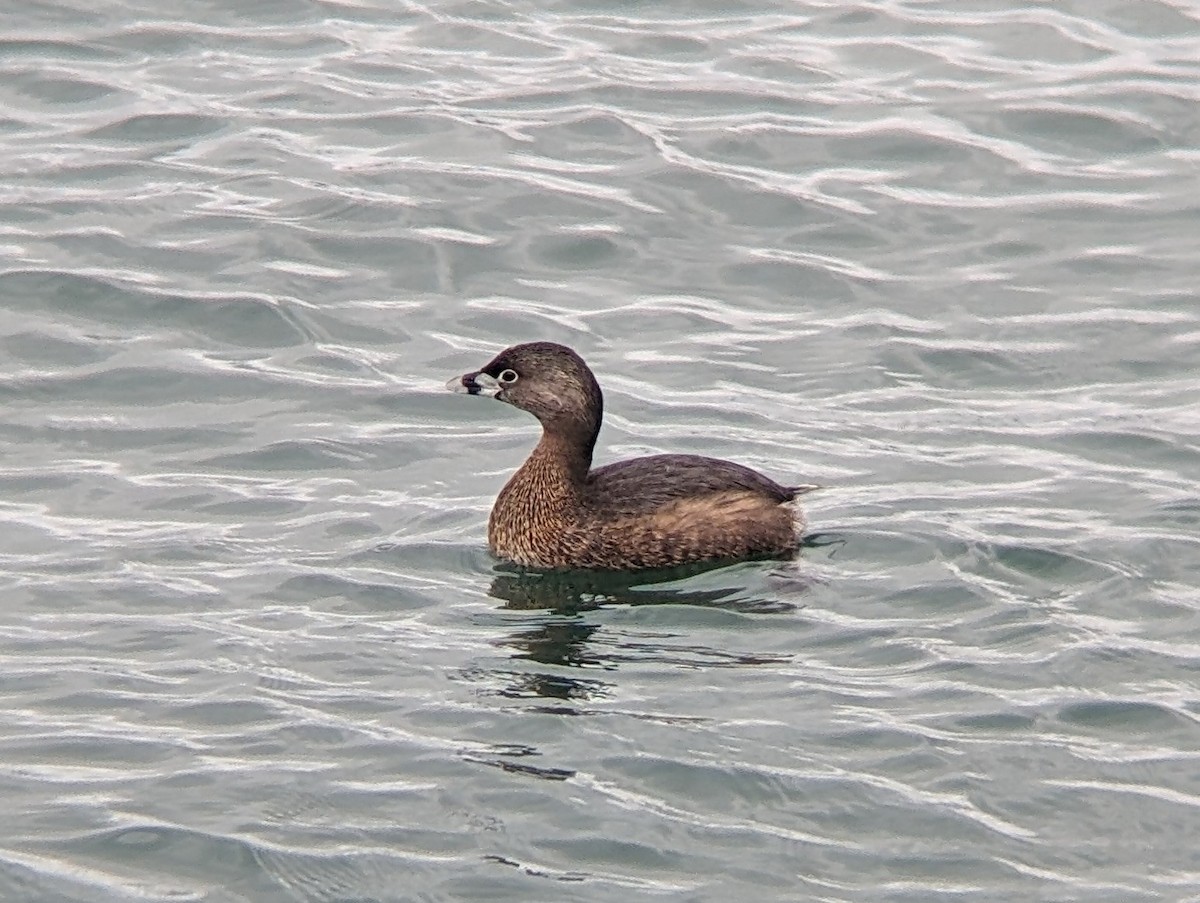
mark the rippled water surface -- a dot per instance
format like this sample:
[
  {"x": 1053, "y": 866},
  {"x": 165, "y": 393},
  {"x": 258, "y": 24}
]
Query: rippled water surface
[{"x": 939, "y": 257}]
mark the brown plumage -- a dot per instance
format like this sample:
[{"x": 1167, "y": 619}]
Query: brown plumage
[{"x": 657, "y": 511}]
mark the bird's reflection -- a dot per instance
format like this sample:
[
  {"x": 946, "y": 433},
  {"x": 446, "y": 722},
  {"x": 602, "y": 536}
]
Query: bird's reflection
[
  {"x": 562, "y": 643},
  {"x": 570, "y": 592},
  {"x": 565, "y": 641}
]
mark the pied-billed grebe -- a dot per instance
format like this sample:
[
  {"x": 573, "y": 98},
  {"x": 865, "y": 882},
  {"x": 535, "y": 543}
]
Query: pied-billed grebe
[{"x": 657, "y": 511}]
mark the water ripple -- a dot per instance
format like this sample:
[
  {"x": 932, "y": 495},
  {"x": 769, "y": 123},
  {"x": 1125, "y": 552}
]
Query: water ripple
[{"x": 937, "y": 258}]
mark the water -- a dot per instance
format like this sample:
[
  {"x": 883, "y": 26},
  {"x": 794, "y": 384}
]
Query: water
[{"x": 938, "y": 257}]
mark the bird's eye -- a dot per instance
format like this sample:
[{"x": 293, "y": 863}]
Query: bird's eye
[{"x": 508, "y": 377}]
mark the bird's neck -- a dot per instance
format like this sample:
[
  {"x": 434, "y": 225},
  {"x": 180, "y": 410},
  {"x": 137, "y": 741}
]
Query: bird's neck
[
  {"x": 558, "y": 465},
  {"x": 541, "y": 502}
]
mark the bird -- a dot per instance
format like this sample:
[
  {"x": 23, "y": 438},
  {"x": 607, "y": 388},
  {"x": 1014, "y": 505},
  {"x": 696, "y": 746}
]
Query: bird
[{"x": 557, "y": 512}]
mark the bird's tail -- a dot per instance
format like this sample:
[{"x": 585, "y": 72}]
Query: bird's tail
[{"x": 803, "y": 488}]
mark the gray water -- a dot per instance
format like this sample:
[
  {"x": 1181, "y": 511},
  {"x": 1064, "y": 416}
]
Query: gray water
[{"x": 939, "y": 257}]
